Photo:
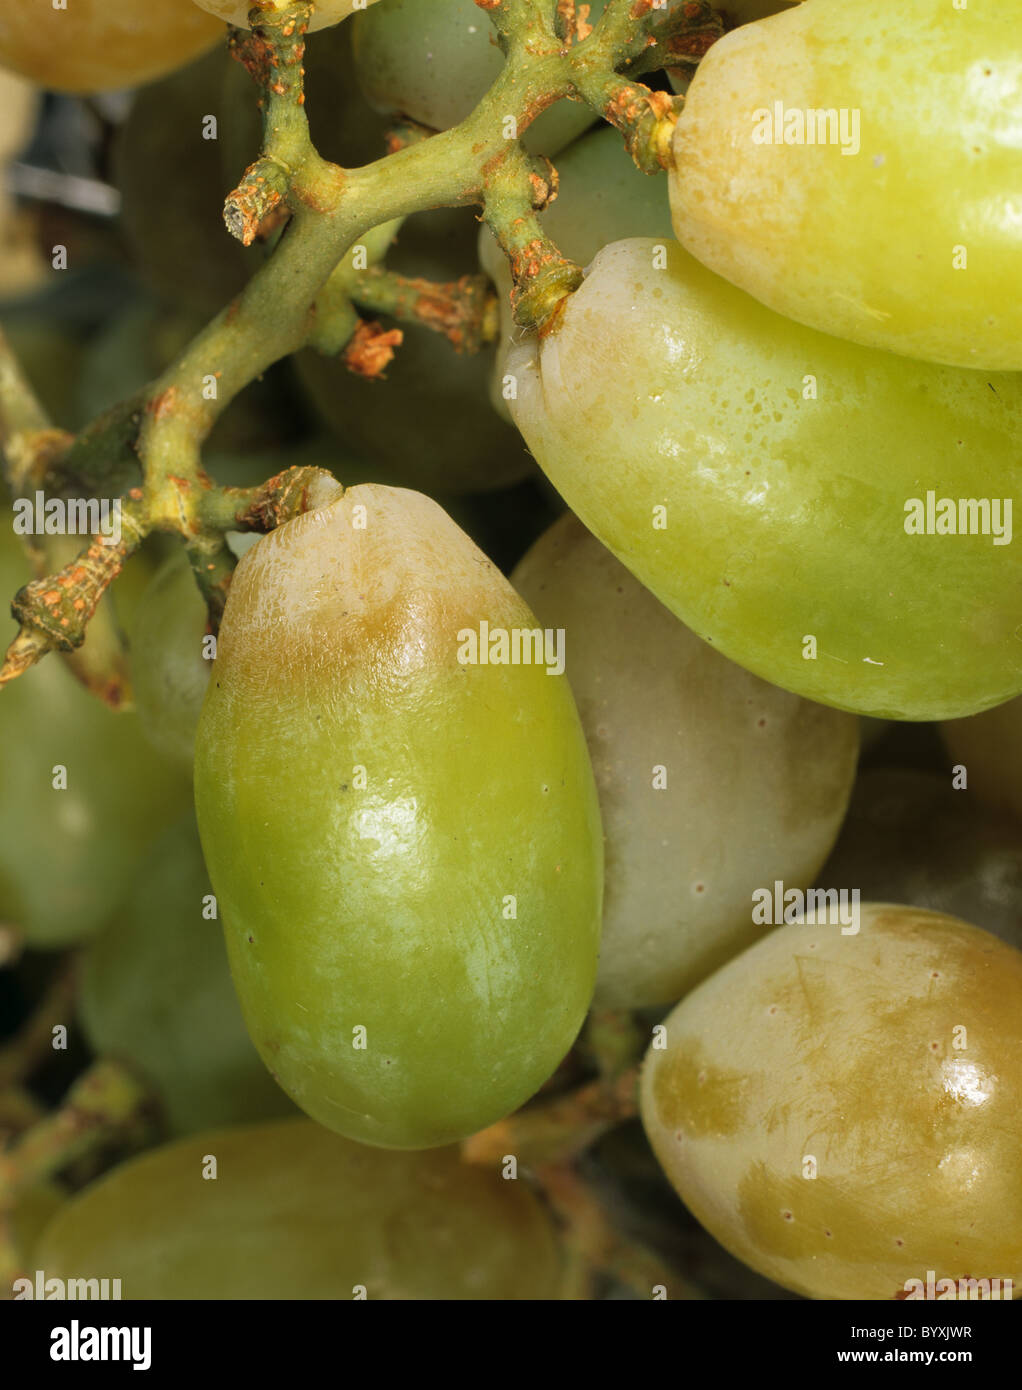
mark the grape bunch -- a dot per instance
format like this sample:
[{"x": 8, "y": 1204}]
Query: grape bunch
[{"x": 524, "y": 798}]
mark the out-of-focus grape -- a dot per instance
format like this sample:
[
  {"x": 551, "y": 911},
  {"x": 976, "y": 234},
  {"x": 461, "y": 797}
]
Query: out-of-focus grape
[
  {"x": 169, "y": 170},
  {"x": 435, "y": 60},
  {"x": 712, "y": 783},
  {"x": 909, "y": 837},
  {"x": 98, "y": 45},
  {"x": 989, "y": 747},
  {"x": 82, "y": 793},
  {"x": 290, "y": 1211},
  {"x": 157, "y": 993}
]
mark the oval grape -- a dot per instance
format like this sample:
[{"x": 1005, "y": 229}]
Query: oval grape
[
  {"x": 711, "y": 782},
  {"x": 844, "y": 1112},
  {"x": 156, "y": 992},
  {"x": 777, "y": 489},
  {"x": 98, "y": 45},
  {"x": 435, "y": 60},
  {"x": 806, "y": 171},
  {"x": 296, "y": 1212},
  {"x": 405, "y": 843}
]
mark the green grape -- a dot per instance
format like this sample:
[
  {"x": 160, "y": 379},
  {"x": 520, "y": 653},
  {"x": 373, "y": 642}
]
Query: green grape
[
  {"x": 909, "y": 837},
  {"x": 296, "y": 1212},
  {"x": 67, "y": 853},
  {"x": 855, "y": 166},
  {"x": 170, "y": 673},
  {"x": 989, "y": 747},
  {"x": 405, "y": 845},
  {"x": 324, "y": 12},
  {"x": 602, "y": 197},
  {"x": 756, "y": 476},
  {"x": 170, "y": 176},
  {"x": 97, "y": 45},
  {"x": 885, "y": 1066},
  {"x": 156, "y": 992},
  {"x": 684, "y": 744},
  {"x": 435, "y": 60}
]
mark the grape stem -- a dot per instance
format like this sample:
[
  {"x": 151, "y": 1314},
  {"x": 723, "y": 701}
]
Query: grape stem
[
  {"x": 292, "y": 299},
  {"x": 463, "y": 310},
  {"x": 107, "y": 1105},
  {"x": 599, "y": 1247}
]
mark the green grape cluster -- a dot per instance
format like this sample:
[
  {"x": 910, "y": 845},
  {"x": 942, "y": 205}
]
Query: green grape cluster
[{"x": 699, "y": 808}]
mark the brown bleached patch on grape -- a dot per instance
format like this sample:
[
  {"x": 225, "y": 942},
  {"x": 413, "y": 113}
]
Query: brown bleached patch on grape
[
  {"x": 881, "y": 1084},
  {"x": 696, "y": 1098}
]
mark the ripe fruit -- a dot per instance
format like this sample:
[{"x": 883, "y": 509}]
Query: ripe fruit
[
  {"x": 157, "y": 992},
  {"x": 808, "y": 172},
  {"x": 406, "y": 849},
  {"x": 711, "y": 782},
  {"x": 67, "y": 852},
  {"x": 435, "y": 60},
  {"x": 295, "y": 1212},
  {"x": 844, "y": 1113},
  {"x": 909, "y": 837},
  {"x": 96, "y": 45},
  {"x": 989, "y": 746},
  {"x": 755, "y": 475},
  {"x": 325, "y": 13}
]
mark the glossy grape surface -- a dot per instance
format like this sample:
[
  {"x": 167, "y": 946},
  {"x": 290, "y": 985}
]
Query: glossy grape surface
[
  {"x": 296, "y": 1212},
  {"x": 406, "y": 849},
  {"x": 711, "y": 782},
  {"x": 781, "y": 461},
  {"x": 899, "y": 229},
  {"x": 157, "y": 993},
  {"x": 844, "y": 1113},
  {"x": 96, "y": 45}
]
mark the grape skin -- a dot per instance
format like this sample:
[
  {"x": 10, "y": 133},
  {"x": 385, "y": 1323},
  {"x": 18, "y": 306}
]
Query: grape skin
[
  {"x": 295, "y": 1212},
  {"x": 819, "y": 1108}
]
